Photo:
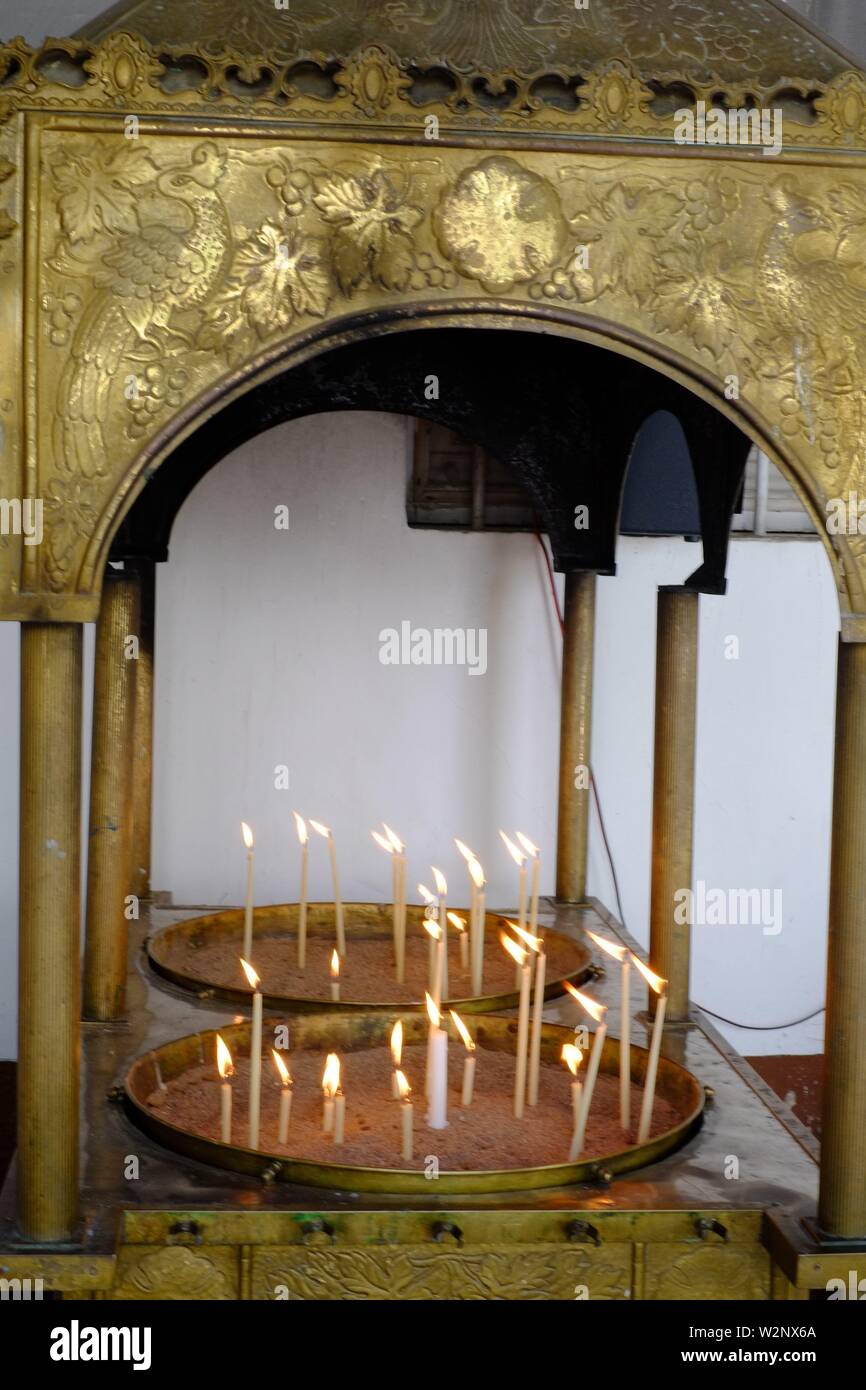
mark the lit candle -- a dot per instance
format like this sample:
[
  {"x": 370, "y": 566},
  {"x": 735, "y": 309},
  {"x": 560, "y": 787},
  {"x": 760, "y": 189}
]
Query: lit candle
[
  {"x": 442, "y": 891},
  {"x": 404, "y": 1091},
  {"x": 597, "y": 1012},
  {"x": 430, "y": 916},
  {"x": 303, "y": 837},
  {"x": 477, "y": 874},
  {"x": 535, "y": 855},
  {"x": 469, "y": 1061},
  {"x": 660, "y": 987},
  {"x": 285, "y": 1097},
  {"x": 255, "y": 1056},
  {"x": 384, "y": 843},
  {"x": 226, "y": 1071},
  {"x": 470, "y": 858},
  {"x": 400, "y": 913},
  {"x": 434, "y": 931},
  {"x": 396, "y": 1056},
  {"x": 330, "y": 1086},
  {"x": 572, "y": 1057},
  {"x": 520, "y": 957},
  {"x": 437, "y": 1052},
  {"x": 335, "y": 977},
  {"x": 459, "y": 925},
  {"x": 535, "y": 945},
  {"x": 520, "y": 860},
  {"x": 248, "y": 905},
  {"x": 338, "y": 902},
  {"x": 339, "y": 1110},
  {"x": 622, "y": 955}
]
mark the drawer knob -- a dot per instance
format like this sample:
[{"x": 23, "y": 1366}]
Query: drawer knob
[
  {"x": 441, "y": 1229},
  {"x": 582, "y": 1232}
]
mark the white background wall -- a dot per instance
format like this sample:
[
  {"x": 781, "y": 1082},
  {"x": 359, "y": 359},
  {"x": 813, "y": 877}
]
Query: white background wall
[{"x": 268, "y": 653}]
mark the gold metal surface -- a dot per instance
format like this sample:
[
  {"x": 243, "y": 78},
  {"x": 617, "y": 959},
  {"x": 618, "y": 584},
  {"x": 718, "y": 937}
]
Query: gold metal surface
[
  {"x": 575, "y": 737},
  {"x": 842, "y": 1201},
  {"x": 49, "y": 972},
  {"x": 142, "y": 760},
  {"x": 348, "y": 1033},
  {"x": 110, "y": 836},
  {"x": 362, "y": 920},
  {"x": 673, "y": 792}
]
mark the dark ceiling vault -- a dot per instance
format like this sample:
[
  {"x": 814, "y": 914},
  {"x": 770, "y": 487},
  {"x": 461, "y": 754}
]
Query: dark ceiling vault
[{"x": 563, "y": 414}]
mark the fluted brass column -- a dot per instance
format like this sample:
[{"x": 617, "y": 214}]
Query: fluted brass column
[
  {"x": 673, "y": 789},
  {"x": 110, "y": 832},
  {"x": 575, "y": 732},
  {"x": 142, "y": 762},
  {"x": 842, "y": 1204},
  {"x": 49, "y": 951}
]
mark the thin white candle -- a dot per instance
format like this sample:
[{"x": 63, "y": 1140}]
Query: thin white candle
[
  {"x": 459, "y": 925},
  {"x": 437, "y": 1092},
  {"x": 255, "y": 1056},
  {"x": 520, "y": 860},
  {"x": 384, "y": 842},
  {"x": 396, "y": 1056},
  {"x": 404, "y": 1092},
  {"x": 520, "y": 956},
  {"x": 597, "y": 1012},
  {"x": 442, "y": 892},
  {"x": 400, "y": 905},
  {"x": 469, "y": 1060},
  {"x": 572, "y": 1057},
  {"x": 535, "y": 855},
  {"x": 659, "y": 985},
  {"x": 470, "y": 858},
  {"x": 226, "y": 1071},
  {"x": 285, "y": 1097},
  {"x": 338, "y": 902},
  {"x": 619, "y": 953},
  {"x": 335, "y": 977},
  {"x": 339, "y": 1118},
  {"x": 477, "y": 875},
  {"x": 536, "y": 945},
  {"x": 248, "y": 901},
  {"x": 303, "y": 838}
]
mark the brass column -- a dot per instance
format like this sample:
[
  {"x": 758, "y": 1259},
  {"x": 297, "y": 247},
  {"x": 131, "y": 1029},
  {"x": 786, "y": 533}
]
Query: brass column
[
  {"x": 142, "y": 763},
  {"x": 673, "y": 790},
  {"x": 842, "y": 1203},
  {"x": 110, "y": 834},
  {"x": 49, "y": 949},
  {"x": 575, "y": 737}
]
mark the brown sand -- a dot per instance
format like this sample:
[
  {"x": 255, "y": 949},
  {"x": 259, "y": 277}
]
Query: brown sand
[
  {"x": 484, "y": 1136},
  {"x": 367, "y": 974}
]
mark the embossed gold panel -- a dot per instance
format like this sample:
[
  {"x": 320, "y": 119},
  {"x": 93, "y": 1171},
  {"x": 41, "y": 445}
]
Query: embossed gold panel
[{"x": 176, "y": 1272}]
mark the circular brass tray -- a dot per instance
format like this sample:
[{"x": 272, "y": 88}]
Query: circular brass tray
[
  {"x": 351, "y": 1032},
  {"x": 362, "y": 920}
]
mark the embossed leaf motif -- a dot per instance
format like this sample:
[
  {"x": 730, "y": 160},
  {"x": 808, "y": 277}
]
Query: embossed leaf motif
[
  {"x": 98, "y": 195},
  {"x": 629, "y": 220},
  {"x": 698, "y": 296},
  {"x": 285, "y": 276},
  {"x": 373, "y": 223}
]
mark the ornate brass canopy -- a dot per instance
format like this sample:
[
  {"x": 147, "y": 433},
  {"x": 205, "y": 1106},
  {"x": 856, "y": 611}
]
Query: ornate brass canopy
[{"x": 229, "y": 191}]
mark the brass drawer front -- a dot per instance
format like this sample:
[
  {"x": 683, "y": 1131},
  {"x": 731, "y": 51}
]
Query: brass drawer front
[
  {"x": 176, "y": 1272},
  {"x": 696, "y": 1270}
]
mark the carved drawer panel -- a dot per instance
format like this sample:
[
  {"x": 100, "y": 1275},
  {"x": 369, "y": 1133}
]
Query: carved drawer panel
[
  {"x": 401, "y": 1272},
  {"x": 176, "y": 1272},
  {"x": 703, "y": 1271}
]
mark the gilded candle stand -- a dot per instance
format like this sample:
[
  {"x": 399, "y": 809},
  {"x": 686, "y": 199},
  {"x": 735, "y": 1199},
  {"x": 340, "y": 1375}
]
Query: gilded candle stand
[{"x": 333, "y": 203}]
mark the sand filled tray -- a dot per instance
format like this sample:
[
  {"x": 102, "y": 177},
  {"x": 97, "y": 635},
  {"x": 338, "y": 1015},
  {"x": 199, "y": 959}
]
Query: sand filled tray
[
  {"x": 175, "y": 1095},
  {"x": 202, "y": 954}
]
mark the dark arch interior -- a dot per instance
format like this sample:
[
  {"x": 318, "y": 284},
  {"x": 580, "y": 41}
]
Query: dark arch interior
[{"x": 563, "y": 414}]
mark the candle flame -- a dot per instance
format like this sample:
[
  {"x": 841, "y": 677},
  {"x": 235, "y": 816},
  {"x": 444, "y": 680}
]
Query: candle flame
[
  {"x": 477, "y": 873},
  {"x": 592, "y": 1006},
  {"x": 382, "y": 842},
  {"x": 611, "y": 947},
  {"x": 433, "y": 929},
  {"x": 301, "y": 824},
  {"x": 531, "y": 849},
  {"x": 224, "y": 1059},
  {"x": 281, "y": 1067},
  {"x": 516, "y": 952},
  {"x": 321, "y": 829},
  {"x": 432, "y": 1012},
  {"x": 425, "y": 893},
  {"x": 403, "y": 1087},
  {"x": 516, "y": 854},
  {"x": 252, "y": 978},
  {"x": 247, "y": 834},
  {"x": 572, "y": 1057},
  {"x": 395, "y": 839},
  {"x": 456, "y": 921},
  {"x": 534, "y": 943},
  {"x": 331, "y": 1076},
  {"x": 464, "y": 850},
  {"x": 655, "y": 982},
  {"x": 439, "y": 880},
  {"x": 463, "y": 1031},
  {"x": 335, "y": 963},
  {"x": 397, "y": 1042}
]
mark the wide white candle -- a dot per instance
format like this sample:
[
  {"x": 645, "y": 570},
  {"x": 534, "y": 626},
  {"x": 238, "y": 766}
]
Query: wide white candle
[
  {"x": 338, "y": 902},
  {"x": 406, "y": 1116},
  {"x": 248, "y": 901},
  {"x": 330, "y": 1085},
  {"x": 659, "y": 985},
  {"x": 303, "y": 838},
  {"x": 226, "y": 1071},
  {"x": 335, "y": 977},
  {"x": 285, "y": 1097},
  {"x": 437, "y": 1091},
  {"x": 619, "y": 953},
  {"x": 255, "y": 1056}
]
